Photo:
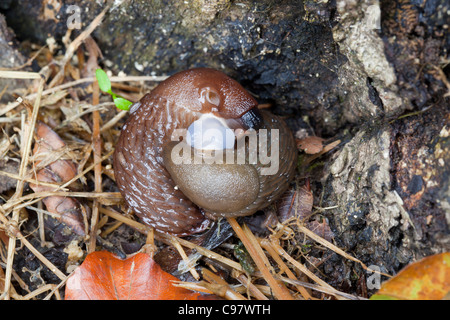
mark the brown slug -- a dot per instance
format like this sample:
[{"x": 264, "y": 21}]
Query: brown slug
[{"x": 181, "y": 197}]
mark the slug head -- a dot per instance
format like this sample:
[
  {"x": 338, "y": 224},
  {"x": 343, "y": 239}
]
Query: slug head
[{"x": 207, "y": 91}]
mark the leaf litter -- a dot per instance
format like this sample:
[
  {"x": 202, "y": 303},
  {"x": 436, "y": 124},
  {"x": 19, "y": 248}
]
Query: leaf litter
[{"x": 66, "y": 211}]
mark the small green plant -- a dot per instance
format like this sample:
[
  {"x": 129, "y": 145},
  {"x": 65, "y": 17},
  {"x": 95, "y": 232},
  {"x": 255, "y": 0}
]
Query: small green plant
[{"x": 105, "y": 85}]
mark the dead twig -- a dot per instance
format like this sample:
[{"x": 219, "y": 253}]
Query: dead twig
[
  {"x": 260, "y": 259},
  {"x": 97, "y": 150},
  {"x": 268, "y": 247},
  {"x": 71, "y": 84},
  {"x": 27, "y": 63},
  {"x": 27, "y": 137},
  {"x": 185, "y": 258},
  {"x": 73, "y": 46},
  {"x": 29, "y": 180},
  {"x": 19, "y": 75},
  {"x": 298, "y": 265},
  {"x": 331, "y": 292},
  {"x": 166, "y": 238},
  {"x": 34, "y": 197},
  {"x": 252, "y": 289},
  {"x": 226, "y": 291}
]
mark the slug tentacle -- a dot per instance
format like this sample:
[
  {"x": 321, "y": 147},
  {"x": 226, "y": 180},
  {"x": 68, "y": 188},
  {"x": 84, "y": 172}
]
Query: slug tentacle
[{"x": 180, "y": 198}]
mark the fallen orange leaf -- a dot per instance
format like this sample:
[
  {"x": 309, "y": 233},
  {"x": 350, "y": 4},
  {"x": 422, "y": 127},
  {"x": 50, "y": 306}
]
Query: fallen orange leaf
[
  {"x": 103, "y": 276},
  {"x": 427, "y": 279}
]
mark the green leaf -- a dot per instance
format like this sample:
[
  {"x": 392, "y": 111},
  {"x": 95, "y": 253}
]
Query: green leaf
[
  {"x": 105, "y": 85},
  {"x": 103, "y": 81},
  {"x": 122, "y": 104}
]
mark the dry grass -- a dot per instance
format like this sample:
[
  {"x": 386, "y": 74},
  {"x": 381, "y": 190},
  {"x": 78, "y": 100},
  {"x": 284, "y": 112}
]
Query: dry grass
[{"x": 90, "y": 131}]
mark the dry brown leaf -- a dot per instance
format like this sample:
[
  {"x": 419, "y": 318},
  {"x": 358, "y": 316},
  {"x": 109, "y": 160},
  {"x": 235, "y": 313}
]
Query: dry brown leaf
[
  {"x": 322, "y": 229},
  {"x": 295, "y": 203},
  {"x": 311, "y": 144},
  {"x": 73, "y": 118},
  {"x": 54, "y": 98},
  {"x": 67, "y": 210}
]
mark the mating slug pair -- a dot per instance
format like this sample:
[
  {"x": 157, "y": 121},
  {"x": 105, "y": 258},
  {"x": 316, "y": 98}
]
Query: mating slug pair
[{"x": 161, "y": 179}]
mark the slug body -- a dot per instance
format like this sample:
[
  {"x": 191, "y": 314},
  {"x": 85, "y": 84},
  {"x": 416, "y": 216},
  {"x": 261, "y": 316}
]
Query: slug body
[{"x": 181, "y": 198}]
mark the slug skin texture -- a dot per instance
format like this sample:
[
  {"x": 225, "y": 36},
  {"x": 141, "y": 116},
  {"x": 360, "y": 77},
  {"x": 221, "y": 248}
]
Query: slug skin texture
[{"x": 181, "y": 199}]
